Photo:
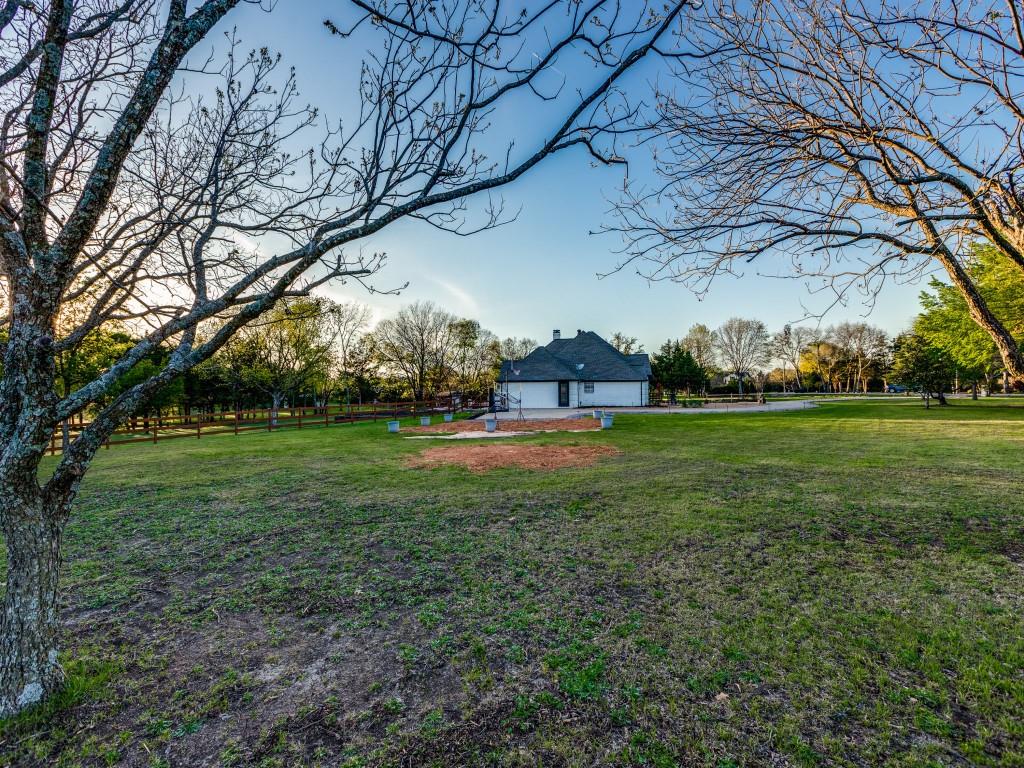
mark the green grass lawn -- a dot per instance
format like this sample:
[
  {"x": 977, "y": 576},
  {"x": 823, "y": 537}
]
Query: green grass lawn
[{"x": 840, "y": 586}]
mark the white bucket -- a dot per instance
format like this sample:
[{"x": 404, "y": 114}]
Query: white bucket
[
  {"x": 490, "y": 424},
  {"x": 393, "y": 426},
  {"x": 606, "y": 422},
  {"x": 424, "y": 421},
  {"x": 448, "y": 417},
  {"x": 598, "y": 413}
]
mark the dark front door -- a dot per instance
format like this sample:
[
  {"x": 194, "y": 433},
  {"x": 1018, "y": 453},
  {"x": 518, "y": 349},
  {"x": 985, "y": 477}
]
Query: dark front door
[{"x": 563, "y": 394}]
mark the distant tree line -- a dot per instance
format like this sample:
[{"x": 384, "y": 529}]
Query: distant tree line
[
  {"x": 742, "y": 355},
  {"x": 312, "y": 351},
  {"x": 945, "y": 350}
]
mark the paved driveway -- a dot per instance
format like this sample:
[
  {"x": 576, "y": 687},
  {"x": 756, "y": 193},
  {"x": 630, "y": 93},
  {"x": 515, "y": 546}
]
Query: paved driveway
[{"x": 578, "y": 413}]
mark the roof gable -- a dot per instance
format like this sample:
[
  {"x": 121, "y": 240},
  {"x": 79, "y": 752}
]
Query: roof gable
[
  {"x": 539, "y": 365},
  {"x": 585, "y": 357}
]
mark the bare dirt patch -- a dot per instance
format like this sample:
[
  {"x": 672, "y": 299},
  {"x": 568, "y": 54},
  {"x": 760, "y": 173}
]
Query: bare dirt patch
[
  {"x": 483, "y": 458},
  {"x": 529, "y": 425}
]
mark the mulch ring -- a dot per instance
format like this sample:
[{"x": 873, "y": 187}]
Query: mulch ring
[
  {"x": 488, "y": 456},
  {"x": 530, "y": 425}
]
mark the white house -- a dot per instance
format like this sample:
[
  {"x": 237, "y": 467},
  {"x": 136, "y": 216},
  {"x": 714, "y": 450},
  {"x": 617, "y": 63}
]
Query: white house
[{"x": 578, "y": 372}]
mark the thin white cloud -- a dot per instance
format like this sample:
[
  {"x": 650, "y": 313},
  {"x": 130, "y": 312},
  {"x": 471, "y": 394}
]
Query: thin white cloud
[{"x": 465, "y": 304}]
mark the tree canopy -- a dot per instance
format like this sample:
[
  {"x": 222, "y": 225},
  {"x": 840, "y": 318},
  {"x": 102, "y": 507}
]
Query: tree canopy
[
  {"x": 674, "y": 368},
  {"x": 852, "y": 143},
  {"x": 185, "y": 189},
  {"x": 946, "y": 322}
]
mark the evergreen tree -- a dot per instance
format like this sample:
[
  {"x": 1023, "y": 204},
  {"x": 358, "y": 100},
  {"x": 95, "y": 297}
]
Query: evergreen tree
[
  {"x": 922, "y": 367},
  {"x": 675, "y": 369}
]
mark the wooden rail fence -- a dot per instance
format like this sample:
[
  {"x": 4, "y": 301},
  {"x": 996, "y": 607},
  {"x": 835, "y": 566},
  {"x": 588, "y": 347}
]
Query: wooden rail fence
[{"x": 153, "y": 429}]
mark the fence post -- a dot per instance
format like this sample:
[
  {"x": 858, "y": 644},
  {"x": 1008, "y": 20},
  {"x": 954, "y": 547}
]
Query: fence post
[
  {"x": 155, "y": 426},
  {"x": 238, "y": 417},
  {"x": 53, "y": 443},
  {"x": 327, "y": 414},
  {"x": 199, "y": 427}
]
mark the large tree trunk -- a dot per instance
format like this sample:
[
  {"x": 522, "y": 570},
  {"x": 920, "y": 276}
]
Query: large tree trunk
[
  {"x": 29, "y": 628},
  {"x": 277, "y": 398},
  {"x": 29, "y": 670}
]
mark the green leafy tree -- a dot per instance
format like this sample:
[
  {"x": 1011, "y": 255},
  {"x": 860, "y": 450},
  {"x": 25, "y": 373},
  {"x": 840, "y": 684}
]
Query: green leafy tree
[
  {"x": 922, "y": 366},
  {"x": 295, "y": 346},
  {"x": 946, "y": 320}
]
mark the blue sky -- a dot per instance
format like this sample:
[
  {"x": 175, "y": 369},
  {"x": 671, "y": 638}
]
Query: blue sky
[{"x": 540, "y": 271}]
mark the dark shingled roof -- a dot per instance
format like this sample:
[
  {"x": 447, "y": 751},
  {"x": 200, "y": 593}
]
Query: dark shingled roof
[{"x": 559, "y": 361}]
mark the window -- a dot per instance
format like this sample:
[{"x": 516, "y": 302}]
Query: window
[{"x": 588, "y": 387}]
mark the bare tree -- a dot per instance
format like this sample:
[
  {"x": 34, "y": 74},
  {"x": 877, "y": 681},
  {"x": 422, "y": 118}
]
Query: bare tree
[
  {"x": 349, "y": 321},
  {"x": 789, "y": 345},
  {"x": 742, "y": 346},
  {"x": 476, "y": 358},
  {"x": 627, "y": 345},
  {"x": 417, "y": 343},
  {"x": 822, "y": 355},
  {"x": 867, "y": 141},
  {"x": 175, "y": 208},
  {"x": 363, "y": 365},
  {"x": 513, "y": 348},
  {"x": 862, "y": 346},
  {"x": 701, "y": 342}
]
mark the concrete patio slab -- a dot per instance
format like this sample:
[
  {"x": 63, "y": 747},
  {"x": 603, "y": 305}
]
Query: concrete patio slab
[{"x": 470, "y": 435}]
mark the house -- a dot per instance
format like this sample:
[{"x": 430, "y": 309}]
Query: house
[{"x": 578, "y": 372}]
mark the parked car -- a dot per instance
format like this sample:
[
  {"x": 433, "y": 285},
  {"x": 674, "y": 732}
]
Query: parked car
[{"x": 895, "y": 389}]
